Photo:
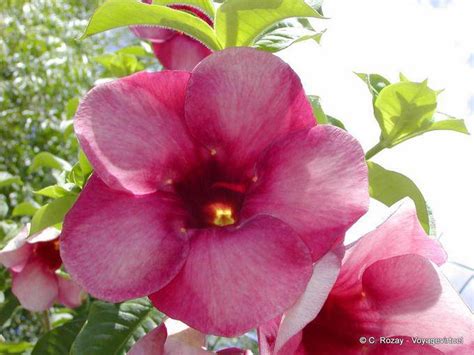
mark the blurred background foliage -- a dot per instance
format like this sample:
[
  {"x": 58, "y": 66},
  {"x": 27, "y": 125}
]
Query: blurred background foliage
[{"x": 44, "y": 70}]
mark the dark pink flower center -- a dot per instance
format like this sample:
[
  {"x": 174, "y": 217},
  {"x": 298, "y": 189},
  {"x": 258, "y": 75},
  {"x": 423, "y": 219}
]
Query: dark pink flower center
[
  {"x": 210, "y": 198},
  {"x": 48, "y": 254}
]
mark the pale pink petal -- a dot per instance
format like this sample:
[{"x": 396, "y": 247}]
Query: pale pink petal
[
  {"x": 314, "y": 180},
  {"x": 46, "y": 235},
  {"x": 16, "y": 253},
  {"x": 151, "y": 344},
  {"x": 307, "y": 307},
  {"x": 180, "y": 52},
  {"x": 236, "y": 278},
  {"x": 416, "y": 300},
  {"x": 70, "y": 293},
  {"x": 234, "y": 351},
  {"x": 36, "y": 287},
  {"x": 400, "y": 234},
  {"x": 236, "y": 109},
  {"x": 119, "y": 246},
  {"x": 267, "y": 333},
  {"x": 133, "y": 131}
]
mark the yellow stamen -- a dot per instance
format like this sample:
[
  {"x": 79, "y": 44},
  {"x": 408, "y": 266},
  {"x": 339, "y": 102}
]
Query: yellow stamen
[{"x": 223, "y": 216}]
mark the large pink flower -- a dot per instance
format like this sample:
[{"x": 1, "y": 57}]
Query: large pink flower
[
  {"x": 33, "y": 262},
  {"x": 174, "y": 49},
  {"x": 173, "y": 337},
  {"x": 388, "y": 286},
  {"x": 213, "y": 191}
]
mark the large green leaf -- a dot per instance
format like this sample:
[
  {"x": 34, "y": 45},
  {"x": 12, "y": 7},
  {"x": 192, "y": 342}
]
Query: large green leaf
[
  {"x": 114, "y": 328},
  {"x": 204, "y": 5},
  {"x": 120, "y": 13},
  {"x": 285, "y": 34},
  {"x": 390, "y": 187},
  {"x": 407, "y": 109},
  {"x": 7, "y": 179},
  {"x": 26, "y": 208},
  {"x": 52, "y": 213},
  {"x": 242, "y": 22},
  {"x": 56, "y": 191},
  {"x": 59, "y": 340},
  {"x": 7, "y": 307},
  {"x": 15, "y": 348},
  {"x": 48, "y": 160}
]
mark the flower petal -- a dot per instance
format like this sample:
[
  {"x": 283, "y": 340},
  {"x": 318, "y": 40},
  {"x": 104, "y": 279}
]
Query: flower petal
[
  {"x": 151, "y": 344},
  {"x": 16, "y": 253},
  {"x": 36, "y": 287},
  {"x": 119, "y": 246},
  {"x": 236, "y": 109},
  {"x": 413, "y": 296},
  {"x": 180, "y": 52},
  {"x": 46, "y": 235},
  {"x": 133, "y": 132},
  {"x": 400, "y": 234},
  {"x": 307, "y": 307},
  {"x": 70, "y": 293},
  {"x": 262, "y": 264},
  {"x": 314, "y": 180}
]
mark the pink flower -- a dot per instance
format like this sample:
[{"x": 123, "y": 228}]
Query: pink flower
[
  {"x": 33, "y": 262},
  {"x": 174, "y": 49},
  {"x": 388, "y": 287},
  {"x": 173, "y": 337},
  {"x": 213, "y": 191}
]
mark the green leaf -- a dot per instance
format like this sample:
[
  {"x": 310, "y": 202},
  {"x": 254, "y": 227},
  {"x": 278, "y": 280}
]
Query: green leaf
[
  {"x": 375, "y": 82},
  {"x": 120, "y": 13},
  {"x": 15, "y": 348},
  {"x": 7, "y": 307},
  {"x": 242, "y": 22},
  {"x": 407, "y": 109},
  {"x": 7, "y": 179},
  {"x": 48, "y": 160},
  {"x": 71, "y": 107},
  {"x": 317, "y": 109},
  {"x": 390, "y": 187},
  {"x": 114, "y": 328},
  {"x": 59, "y": 340},
  {"x": 52, "y": 213},
  {"x": 336, "y": 122},
  {"x": 286, "y": 34},
  {"x": 56, "y": 191},
  {"x": 204, "y": 5},
  {"x": 86, "y": 167},
  {"x": 26, "y": 208},
  {"x": 3, "y": 208}
]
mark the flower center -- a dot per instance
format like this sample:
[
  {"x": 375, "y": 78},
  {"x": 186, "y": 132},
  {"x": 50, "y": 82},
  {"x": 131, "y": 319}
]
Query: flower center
[
  {"x": 48, "y": 253},
  {"x": 220, "y": 214}
]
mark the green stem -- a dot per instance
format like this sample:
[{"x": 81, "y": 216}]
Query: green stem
[
  {"x": 374, "y": 150},
  {"x": 45, "y": 321}
]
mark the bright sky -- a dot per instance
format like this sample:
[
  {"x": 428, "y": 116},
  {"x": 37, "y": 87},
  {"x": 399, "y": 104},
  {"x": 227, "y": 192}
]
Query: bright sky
[{"x": 431, "y": 39}]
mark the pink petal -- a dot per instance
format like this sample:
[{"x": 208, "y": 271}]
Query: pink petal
[
  {"x": 234, "y": 351},
  {"x": 151, "y": 344},
  {"x": 236, "y": 278},
  {"x": 133, "y": 132},
  {"x": 314, "y": 180},
  {"x": 70, "y": 294},
  {"x": 236, "y": 109},
  {"x": 36, "y": 287},
  {"x": 16, "y": 253},
  {"x": 400, "y": 234},
  {"x": 46, "y": 235},
  {"x": 416, "y": 300},
  {"x": 119, "y": 246},
  {"x": 307, "y": 307},
  {"x": 180, "y": 52}
]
